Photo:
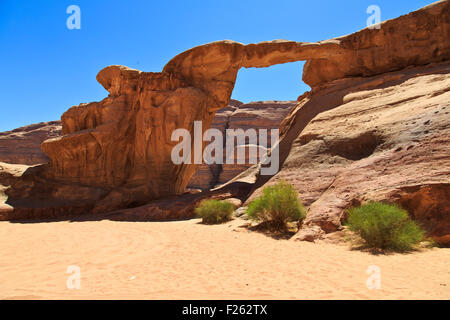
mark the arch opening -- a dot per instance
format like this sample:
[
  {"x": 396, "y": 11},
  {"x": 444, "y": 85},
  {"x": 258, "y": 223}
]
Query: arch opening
[{"x": 280, "y": 82}]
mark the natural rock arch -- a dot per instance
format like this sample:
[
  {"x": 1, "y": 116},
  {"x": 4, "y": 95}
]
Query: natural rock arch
[{"x": 116, "y": 152}]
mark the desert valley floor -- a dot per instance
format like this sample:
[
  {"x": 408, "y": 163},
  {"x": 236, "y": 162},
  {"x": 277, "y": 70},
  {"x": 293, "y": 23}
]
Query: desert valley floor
[{"x": 189, "y": 260}]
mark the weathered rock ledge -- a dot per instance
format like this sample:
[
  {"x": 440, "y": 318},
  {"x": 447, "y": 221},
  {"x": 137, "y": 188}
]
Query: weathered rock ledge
[{"x": 383, "y": 138}]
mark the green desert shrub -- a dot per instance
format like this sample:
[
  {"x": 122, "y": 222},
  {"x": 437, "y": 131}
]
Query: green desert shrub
[
  {"x": 384, "y": 226},
  {"x": 214, "y": 211},
  {"x": 277, "y": 205}
]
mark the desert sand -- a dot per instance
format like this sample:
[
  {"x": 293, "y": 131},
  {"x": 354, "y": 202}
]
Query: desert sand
[{"x": 189, "y": 260}]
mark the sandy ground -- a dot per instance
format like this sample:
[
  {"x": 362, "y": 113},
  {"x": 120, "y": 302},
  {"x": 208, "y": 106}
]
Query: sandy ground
[{"x": 188, "y": 260}]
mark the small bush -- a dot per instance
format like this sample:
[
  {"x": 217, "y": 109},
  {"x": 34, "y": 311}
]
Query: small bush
[
  {"x": 384, "y": 226},
  {"x": 277, "y": 205},
  {"x": 214, "y": 211}
]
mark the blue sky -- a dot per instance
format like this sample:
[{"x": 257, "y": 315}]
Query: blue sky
[{"x": 47, "y": 68}]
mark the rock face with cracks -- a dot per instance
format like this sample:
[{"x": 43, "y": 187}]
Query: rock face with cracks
[
  {"x": 254, "y": 115},
  {"x": 383, "y": 138},
  {"x": 117, "y": 153},
  {"x": 23, "y": 145}
]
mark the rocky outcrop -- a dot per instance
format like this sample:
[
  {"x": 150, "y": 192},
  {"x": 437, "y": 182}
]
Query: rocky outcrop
[
  {"x": 383, "y": 138},
  {"x": 417, "y": 38},
  {"x": 117, "y": 153},
  {"x": 255, "y": 115},
  {"x": 23, "y": 145}
]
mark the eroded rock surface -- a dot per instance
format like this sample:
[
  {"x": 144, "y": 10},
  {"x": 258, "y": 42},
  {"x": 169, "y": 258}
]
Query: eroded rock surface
[
  {"x": 255, "y": 115},
  {"x": 417, "y": 38},
  {"x": 386, "y": 140},
  {"x": 23, "y": 145}
]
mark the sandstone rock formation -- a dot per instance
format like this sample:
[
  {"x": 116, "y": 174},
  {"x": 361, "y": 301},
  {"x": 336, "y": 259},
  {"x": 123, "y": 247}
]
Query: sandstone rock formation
[
  {"x": 23, "y": 145},
  {"x": 382, "y": 138},
  {"x": 206, "y": 175},
  {"x": 417, "y": 38},
  {"x": 116, "y": 153}
]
